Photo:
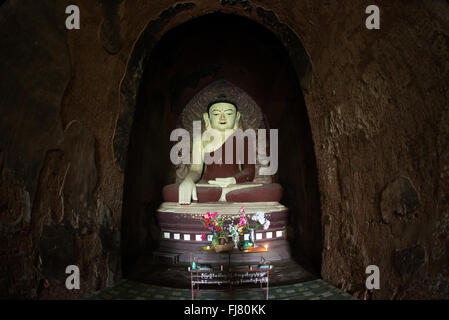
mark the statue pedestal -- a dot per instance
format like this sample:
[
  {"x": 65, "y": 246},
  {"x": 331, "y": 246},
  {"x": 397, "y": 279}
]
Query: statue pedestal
[{"x": 181, "y": 228}]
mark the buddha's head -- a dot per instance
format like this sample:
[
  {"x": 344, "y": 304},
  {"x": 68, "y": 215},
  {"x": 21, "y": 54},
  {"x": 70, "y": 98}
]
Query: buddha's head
[{"x": 222, "y": 115}]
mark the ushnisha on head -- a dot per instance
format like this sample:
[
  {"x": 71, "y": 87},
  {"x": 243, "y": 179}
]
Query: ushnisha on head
[{"x": 221, "y": 115}]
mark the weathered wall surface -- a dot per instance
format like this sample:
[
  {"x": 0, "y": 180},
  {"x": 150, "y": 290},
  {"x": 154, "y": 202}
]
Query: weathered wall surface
[{"x": 377, "y": 106}]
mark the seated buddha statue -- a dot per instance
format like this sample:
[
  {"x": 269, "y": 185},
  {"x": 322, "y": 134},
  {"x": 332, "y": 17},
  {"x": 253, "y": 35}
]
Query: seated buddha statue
[{"x": 222, "y": 180}]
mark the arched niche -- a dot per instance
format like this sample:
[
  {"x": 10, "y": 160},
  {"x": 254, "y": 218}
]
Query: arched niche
[{"x": 163, "y": 78}]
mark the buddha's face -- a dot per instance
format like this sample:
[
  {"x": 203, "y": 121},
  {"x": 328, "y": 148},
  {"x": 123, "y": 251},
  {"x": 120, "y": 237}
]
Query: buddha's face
[{"x": 222, "y": 116}]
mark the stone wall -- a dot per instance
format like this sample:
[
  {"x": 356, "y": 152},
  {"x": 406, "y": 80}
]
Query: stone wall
[{"x": 377, "y": 107}]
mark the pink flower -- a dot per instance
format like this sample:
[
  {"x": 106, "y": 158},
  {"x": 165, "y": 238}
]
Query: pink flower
[
  {"x": 206, "y": 216},
  {"x": 242, "y": 221},
  {"x": 213, "y": 214},
  {"x": 203, "y": 236}
]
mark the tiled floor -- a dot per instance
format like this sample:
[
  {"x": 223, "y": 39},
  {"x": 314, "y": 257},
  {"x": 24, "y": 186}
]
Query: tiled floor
[{"x": 310, "y": 290}]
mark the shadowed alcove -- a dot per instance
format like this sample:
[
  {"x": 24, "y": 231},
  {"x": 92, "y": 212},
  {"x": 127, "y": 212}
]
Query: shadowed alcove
[{"x": 187, "y": 59}]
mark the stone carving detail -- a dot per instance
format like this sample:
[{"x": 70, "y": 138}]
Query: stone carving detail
[
  {"x": 408, "y": 260},
  {"x": 56, "y": 250},
  {"x": 15, "y": 204},
  {"x": 81, "y": 177},
  {"x": 110, "y": 27},
  {"x": 399, "y": 198}
]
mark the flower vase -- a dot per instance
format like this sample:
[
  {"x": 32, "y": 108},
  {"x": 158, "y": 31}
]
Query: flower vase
[
  {"x": 236, "y": 240},
  {"x": 214, "y": 239},
  {"x": 252, "y": 237},
  {"x": 223, "y": 245}
]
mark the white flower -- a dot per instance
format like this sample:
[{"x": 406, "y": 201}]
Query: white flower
[
  {"x": 259, "y": 217},
  {"x": 232, "y": 230}
]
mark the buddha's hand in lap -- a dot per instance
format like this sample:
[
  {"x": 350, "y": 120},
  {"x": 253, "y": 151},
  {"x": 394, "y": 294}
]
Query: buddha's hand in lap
[
  {"x": 187, "y": 192},
  {"x": 223, "y": 182}
]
